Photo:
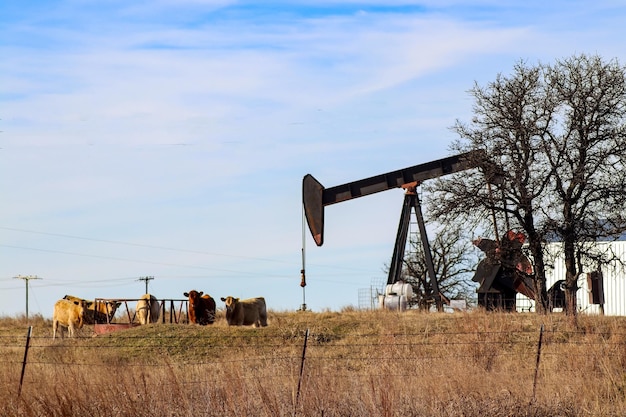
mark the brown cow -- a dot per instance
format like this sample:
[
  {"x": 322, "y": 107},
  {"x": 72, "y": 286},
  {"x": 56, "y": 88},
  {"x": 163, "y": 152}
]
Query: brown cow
[
  {"x": 201, "y": 307},
  {"x": 70, "y": 314},
  {"x": 105, "y": 309},
  {"x": 245, "y": 312}
]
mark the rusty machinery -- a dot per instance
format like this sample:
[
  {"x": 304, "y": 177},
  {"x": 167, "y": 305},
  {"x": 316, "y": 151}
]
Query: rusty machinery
[
  {"x": 315, "y": 197},
  {"x": 504, "y": 272}
]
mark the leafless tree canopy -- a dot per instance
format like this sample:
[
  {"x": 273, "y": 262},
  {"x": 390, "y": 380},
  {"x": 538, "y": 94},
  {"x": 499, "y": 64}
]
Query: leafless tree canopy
[
  {"x": 453, "y": 261},
  {"x": 555, "y": 139}
]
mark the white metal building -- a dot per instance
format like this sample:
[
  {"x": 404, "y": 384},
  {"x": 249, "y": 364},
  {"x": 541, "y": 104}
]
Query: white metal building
[{"x": 614, "y": 283}]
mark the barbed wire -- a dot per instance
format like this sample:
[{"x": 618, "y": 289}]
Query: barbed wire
[
  {"x": 422, "y": 357},
  {"x": 430, "y": 346},
  {"x": 301, "y": 332},
  {"x": 316, "y": 339}
]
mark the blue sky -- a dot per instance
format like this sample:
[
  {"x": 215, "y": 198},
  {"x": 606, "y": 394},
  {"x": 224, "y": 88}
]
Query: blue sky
[{"x": 169, "y": 138}]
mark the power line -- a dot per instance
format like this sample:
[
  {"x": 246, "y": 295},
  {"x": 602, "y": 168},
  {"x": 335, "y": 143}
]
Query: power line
[
  {"x": 123, "y": 259},
  {"x": 221, "y": 270},
  {"x": 118, "y": 242},
  {"x": 354, "y": 271}
]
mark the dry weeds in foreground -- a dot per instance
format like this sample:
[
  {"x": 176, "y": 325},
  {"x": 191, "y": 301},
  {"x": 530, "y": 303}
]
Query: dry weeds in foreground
[{"x": 357, "y": 364}]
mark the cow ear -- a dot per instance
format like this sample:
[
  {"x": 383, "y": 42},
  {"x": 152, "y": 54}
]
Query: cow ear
[
  {"x": 186, "y": 294},
  {"x": 201, "y": 292},
  {"x": 223, "y": 299},
  {"x": 237, "y": 300}
]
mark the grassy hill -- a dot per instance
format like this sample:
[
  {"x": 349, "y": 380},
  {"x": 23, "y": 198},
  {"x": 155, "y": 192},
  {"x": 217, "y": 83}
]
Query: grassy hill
[{"x": 370, "y": 363}]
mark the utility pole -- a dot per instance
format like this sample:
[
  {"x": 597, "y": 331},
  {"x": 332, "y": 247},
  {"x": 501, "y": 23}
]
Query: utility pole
[
  {"x": 26, "y": 279},
  {"x": 146, "y": 279}
]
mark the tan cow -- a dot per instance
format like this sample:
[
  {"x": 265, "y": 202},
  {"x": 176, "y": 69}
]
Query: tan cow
[
  {"x": 245, "y": 312},
  {"x": 69, "y": 314},
  {"x": 104, "y": 309},
  {"x": 147, "y": 309}
]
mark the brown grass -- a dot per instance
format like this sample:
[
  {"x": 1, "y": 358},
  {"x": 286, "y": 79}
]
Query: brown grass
[{"x": 374, "y": 363}]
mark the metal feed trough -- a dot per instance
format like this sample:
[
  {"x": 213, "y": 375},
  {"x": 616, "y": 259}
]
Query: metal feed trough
[{"x": 178, "y": 314}]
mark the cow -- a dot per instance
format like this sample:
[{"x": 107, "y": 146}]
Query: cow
[
  {"x": 245, "y": 312},
  {"x": 100, "y": 312},
  {"x": 70, "y": 314},
  {"x": 147, "y": 309},
  {"x": 201, "y": 307}
]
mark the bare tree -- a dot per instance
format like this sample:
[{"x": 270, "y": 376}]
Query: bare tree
[
  {"x": 587, "y": 159},
  {"x": 453, "y": 259},
  {"x": 511, "y": 117},
  {"x": 554, "y": 139}
]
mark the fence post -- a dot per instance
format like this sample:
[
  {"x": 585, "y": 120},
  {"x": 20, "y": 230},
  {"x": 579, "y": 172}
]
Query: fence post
[
  {"x": 30, "y": 331},
  {"x": 306, "y": 337},
  {"x": 537, "y": 363}
]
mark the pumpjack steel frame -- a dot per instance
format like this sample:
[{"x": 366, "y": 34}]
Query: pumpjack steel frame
[{"x": 412, "y": 203}]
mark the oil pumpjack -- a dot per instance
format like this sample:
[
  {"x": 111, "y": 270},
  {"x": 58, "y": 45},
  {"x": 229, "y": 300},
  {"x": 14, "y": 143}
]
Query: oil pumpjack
[{"x": 315, "y": 197}]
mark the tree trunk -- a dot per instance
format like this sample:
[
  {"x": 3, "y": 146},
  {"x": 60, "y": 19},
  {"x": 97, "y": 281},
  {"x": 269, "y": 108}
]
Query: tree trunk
[
  {"x": 570, "y": 298},
  {"x": 541, "y": 294},
  {"x": 571, "y": 278}
]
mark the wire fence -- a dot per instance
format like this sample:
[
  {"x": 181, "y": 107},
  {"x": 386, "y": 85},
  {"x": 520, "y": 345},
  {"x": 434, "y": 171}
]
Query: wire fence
[
  {"x": 540, "y": 361},
  {"x": 321, "y": 347}
]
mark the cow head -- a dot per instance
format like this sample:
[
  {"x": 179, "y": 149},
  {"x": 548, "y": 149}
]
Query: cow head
[
  {"x": 102, "y": 310},
  {"x": 230, "y": 302},
  {"x": 194, "y": 297},
  {"x": 112, "y": 307}
]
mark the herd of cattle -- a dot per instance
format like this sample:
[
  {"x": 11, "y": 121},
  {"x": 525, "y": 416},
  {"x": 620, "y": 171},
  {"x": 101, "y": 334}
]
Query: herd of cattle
[{"x": 72, "y": 312}]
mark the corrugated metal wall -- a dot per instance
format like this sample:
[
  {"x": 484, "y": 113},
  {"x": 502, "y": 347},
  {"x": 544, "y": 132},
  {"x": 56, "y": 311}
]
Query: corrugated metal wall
[{"x": 614, "y": 283}]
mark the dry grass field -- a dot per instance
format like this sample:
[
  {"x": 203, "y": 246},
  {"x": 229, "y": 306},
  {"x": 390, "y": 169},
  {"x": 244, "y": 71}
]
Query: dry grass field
[{"x": 356, "y": 363}]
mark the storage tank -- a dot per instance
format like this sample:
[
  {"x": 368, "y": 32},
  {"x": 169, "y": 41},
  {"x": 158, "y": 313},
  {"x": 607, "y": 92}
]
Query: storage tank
[{"x": 397, "y": 296}]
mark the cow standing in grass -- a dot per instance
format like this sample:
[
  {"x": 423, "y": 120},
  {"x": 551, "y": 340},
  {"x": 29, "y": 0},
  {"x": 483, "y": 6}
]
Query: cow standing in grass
[
  {"x": 103, "y": 312},
  {"x": 201, "y": 307},
  {"x": 69, "y": 314},
  {"x": 245, "y": 312},
  {"x": 147, "y": 309}
]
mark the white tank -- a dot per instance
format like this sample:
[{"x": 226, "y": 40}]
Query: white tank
[
  {"x": 397, "y": 296},
  {"x": 399, "y": 288},
  {"x": 395, "y": 302}
]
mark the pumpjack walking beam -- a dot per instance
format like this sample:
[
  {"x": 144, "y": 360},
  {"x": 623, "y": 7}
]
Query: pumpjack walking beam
[{"x": 315, "y": 197}]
